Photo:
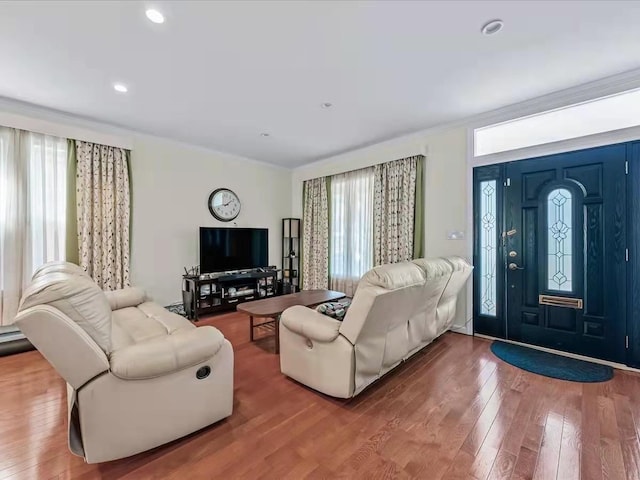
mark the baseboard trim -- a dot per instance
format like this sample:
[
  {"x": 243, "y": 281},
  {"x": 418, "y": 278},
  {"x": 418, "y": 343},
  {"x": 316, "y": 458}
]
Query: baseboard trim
[
  {"x": 459, "y": 329},
  {"x": 619, "y": 366},
  {"x": 15, "y": 346}
]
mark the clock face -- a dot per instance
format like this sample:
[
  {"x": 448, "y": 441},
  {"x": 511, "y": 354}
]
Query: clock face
[{"x": 224, "y": 204}]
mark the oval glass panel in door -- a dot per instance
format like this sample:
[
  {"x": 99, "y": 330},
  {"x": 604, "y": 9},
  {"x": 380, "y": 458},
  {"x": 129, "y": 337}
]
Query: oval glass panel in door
[{"x": 560, "y": 240}]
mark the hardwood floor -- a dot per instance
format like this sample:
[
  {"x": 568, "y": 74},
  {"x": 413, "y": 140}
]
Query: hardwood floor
[{"x": 454, "y": 411}]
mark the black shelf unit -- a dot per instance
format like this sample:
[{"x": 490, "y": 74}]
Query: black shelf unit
[
  {"x": 205, "y": 294},
  {"x": 290, "y": 255}
]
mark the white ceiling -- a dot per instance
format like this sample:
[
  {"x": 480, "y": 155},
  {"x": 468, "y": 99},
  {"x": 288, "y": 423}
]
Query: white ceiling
[{"x": 217, "y": 74}]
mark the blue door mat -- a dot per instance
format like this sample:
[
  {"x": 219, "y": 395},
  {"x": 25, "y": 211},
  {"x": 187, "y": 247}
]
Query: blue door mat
[{"x": 551, "y": 365}]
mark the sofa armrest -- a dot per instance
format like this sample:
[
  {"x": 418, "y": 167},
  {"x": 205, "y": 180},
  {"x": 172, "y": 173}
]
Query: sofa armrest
[
  {"x": 311, "y": 324},
  {"x": 167, "y": 354},
  {"x": 126, "y": 297}
]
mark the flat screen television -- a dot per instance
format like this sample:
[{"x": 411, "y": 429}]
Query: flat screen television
[{"x": 224, "y": 249}]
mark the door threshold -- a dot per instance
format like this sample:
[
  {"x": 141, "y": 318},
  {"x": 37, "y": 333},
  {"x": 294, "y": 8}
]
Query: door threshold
[{"x": 619, "y": 366}]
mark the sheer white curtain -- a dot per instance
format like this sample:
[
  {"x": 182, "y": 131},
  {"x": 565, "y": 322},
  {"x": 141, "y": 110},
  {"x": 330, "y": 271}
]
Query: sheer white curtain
[
  {"x": 351, "y": 244},
  {"x": 33, "y": 191}
]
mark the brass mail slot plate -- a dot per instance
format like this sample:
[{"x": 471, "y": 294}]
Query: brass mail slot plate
[{"x": 560, "y": 301}]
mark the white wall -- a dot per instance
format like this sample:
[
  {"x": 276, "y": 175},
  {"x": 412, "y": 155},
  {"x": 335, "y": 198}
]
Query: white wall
[
  {"x": 446, "y": 189},
  {"x": 171, "y": 183}
]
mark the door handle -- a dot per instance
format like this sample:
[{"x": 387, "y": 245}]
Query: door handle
[{"x": 514, "y": 266}]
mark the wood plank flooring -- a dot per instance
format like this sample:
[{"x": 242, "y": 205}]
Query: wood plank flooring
[{"x": 454, "y": 411}]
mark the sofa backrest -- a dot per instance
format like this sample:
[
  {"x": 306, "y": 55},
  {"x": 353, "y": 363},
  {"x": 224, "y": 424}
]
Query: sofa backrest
[
  {"x": 437, "y": 276},
  {"x": 446, "y": 312},
  {"x": 77, "y": 296},
  {"x": 61, "y": 267},
  {"x": 399, "y": 308},
  {"x": 384, "y": 279}
]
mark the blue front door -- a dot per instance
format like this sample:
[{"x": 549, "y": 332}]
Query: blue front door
[
  {"x": 565, "y": 264},
  {"x": 560, "y": 252}
]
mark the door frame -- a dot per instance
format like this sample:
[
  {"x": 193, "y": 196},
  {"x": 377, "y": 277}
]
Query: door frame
[
  {"x": 633, "y": 245},
  {"x": 497, "y": 326}
]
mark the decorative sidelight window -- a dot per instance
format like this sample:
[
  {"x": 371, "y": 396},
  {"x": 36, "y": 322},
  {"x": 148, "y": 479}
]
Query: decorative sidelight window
[
  {"x": 488, "y": 247},
  {"x": 559, "y": 240}
]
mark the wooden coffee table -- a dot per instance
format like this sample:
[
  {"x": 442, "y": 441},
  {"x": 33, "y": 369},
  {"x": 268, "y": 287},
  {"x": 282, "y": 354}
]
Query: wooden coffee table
[{"x": 273, "y": 307}]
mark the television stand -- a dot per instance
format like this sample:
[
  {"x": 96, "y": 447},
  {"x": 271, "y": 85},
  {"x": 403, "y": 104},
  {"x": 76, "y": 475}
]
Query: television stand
[{"x": 216, "y": 292}]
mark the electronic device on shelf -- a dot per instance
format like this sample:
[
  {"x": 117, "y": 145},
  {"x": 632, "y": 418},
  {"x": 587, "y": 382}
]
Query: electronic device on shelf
[
  {"x": 233, "y": 269},
  {"x": 233, "y": 249}
]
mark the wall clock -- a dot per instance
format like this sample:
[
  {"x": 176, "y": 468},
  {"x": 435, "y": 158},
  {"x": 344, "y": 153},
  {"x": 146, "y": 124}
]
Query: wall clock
[{"x": 224, "y": 204}]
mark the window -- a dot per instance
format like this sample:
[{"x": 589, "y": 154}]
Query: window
[
  {"x": 559, "y": 240},
  {"x": 351, "y": 229},
  {"x": 488, "y": 241},
  {"x": 47, "y": 187},
  {"x": 33, "y": 191},
  {"x": 597, "y": 116}
]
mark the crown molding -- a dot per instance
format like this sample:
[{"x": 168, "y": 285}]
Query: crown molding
[
  {"x": 28, "y": 116},
  {"x": 19, "y": 114},
  {"x": 603, "y": 87}
]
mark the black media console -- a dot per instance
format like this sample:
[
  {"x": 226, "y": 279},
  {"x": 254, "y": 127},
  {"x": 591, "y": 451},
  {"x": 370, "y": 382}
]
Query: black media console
[{"x": 215, "y": 292}]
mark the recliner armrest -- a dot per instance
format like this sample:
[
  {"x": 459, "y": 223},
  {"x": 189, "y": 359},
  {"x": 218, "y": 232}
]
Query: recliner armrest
[
  {"x": 167, "y": 354},
  {"x": 125, "y": 297},
  {"x": 311, "y": 324}
]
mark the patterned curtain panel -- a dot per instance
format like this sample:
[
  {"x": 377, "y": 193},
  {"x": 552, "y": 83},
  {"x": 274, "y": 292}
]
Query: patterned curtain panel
[
  {"x": 395, "y": 212},
  {"x": 103, "y": 201},
  {"x": 315, "y": 234}
]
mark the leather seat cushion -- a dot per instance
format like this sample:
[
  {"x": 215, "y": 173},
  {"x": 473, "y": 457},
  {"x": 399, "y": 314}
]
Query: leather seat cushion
[
  {"x": 166, "y": 353},
  {"x": 170, "y": 321},
  {"x": 145, "y": 322}
]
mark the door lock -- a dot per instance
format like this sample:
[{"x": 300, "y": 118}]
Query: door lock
[
  {"x": 514, "y": 266},
  {"x": 513, "y": 254}
]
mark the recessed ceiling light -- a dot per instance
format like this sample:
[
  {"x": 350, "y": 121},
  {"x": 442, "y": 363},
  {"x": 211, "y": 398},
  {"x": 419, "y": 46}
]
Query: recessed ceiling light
[
  {"x": 120, "y": 87},
  {"x": 154, "y": 15},
  {"x": 492, "y": 27},
  {"x": 327, "y": 105},
  {"x": 265, "y": 134}
]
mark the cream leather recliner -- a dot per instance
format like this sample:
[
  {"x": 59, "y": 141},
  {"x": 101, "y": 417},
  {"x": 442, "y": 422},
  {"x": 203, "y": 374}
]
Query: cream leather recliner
[
  {"x": 397, "y": 310},
  {"x": 138, "y": 376}
]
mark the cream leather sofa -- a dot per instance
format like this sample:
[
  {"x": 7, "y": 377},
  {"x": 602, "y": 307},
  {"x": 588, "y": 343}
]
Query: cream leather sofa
[
  {"x": 397, "y": 310},
  {"x": 138, "y": 376}
]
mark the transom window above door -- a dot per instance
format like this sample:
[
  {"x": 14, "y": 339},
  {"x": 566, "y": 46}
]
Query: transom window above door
[{"x": 605, "y": 114}]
